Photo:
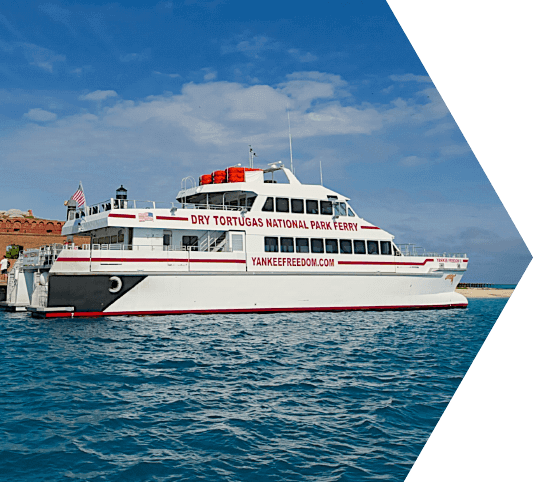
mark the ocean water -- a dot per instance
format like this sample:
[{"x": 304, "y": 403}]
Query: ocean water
[{"x": 347, "y": 396}]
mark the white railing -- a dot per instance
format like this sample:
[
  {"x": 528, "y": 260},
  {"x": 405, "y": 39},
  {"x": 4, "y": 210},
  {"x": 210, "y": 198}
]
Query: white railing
[
  {"x": 113, "y": 204},
  {"x": 217, "y": 207},
  {"x": 221, "y": 246},
  {"x": 412, "y": 250},
  {"x": 43, "y": 256}
]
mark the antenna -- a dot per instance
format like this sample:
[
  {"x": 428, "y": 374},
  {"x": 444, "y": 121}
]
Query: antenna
[
  {"x": 251, "y": 155},
  {"x": 321, "y": 180},
  {"x": 290, "y": 137}
]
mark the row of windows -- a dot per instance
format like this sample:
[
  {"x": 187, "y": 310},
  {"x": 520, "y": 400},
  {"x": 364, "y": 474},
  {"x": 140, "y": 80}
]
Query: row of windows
[
  {"x": 332, "y": 246},
  {"x": 286, "y": 205}
]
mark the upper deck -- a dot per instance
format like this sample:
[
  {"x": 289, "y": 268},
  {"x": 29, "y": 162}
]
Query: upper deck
[
  {"x": 256, "y": 204},
  {"x": 271, "y": 215}
]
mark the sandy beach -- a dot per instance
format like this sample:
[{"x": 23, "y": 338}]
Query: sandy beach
[{"x": 484, "y": 292}]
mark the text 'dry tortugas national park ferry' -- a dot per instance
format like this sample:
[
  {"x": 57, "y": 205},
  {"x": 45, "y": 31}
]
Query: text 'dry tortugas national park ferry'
[{"x": 238, "y": 242}]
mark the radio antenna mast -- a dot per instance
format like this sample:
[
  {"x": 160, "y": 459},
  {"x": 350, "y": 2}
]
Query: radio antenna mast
[
  {"x": 251, "y": 155},
  {"x": 290, "y": 137}
]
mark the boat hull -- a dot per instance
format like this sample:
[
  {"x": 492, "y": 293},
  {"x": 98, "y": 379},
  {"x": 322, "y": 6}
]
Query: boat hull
[{"x": 88, "y": 295}]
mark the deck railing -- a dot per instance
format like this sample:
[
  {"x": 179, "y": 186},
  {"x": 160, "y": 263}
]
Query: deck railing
[
  {"x": 113, "y": 204},
  {"x": 412, "y": 250},
  {"x": 43, "y": 256},
  {"x": 147, "y": 247}
]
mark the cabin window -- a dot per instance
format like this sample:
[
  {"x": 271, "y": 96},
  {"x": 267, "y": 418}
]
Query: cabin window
[
  {"x": 340, "y": 209},
  {"x": 302, "y": 245},
  {"x": 121, "y": 236},
  {"x": 250, "y": 201},
  {"x": 332, "y": 246},
  {"x": 271, "y": 245},
  {"x": 359, "y": 247},
  {"x": 311, "y": 207},
  {"x": 269, "y": 204},
  {"x": 282, "y": 205},
  {"x": 167, "y": 238},
  {"x": 114, "y": 239},
  {"x": 326, "y": 207},
  {"x": 386, "y": 247},
  {"x": 190, "y": 242},
  {"x": 317, "y": 245},
  {"x": 346, "y": 246},
  {"x": 297, "y": 206},
  {"x": 351, "y": 213},
  {"x": 372, "y": 247},
  {"x": 287, "y": 245}
]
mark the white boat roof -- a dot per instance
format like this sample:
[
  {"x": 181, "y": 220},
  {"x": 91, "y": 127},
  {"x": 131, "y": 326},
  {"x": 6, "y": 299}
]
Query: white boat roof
[{"x": 294, "y": 188}]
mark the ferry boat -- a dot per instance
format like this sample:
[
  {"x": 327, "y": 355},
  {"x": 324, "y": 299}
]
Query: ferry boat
[{"x": 241, "y": 241}]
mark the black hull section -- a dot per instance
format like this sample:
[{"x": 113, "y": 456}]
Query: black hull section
[{"x": 87, "y": 292}]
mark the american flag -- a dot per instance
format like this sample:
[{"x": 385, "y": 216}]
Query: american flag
[
  {"x": 78, "y": 196},
  {"x": 146, "y": 217}
]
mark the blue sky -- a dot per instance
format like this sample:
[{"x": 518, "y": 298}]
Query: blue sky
[{"x": 145, "y": 93}]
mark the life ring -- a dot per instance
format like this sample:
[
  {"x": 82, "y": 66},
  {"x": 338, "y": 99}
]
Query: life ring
[{"x": 116, "y": 284}]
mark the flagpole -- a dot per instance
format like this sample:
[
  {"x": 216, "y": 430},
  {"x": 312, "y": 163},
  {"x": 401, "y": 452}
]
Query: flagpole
[{"x": 84, "y": 198}]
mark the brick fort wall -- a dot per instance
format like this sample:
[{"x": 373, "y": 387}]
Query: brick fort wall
[{"x": 32, "y": 233}]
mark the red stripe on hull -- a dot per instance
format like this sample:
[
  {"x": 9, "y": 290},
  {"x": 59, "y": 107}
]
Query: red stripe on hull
[
  {"x": 387, "y": 263},
  {"x": 127, "y": 216},
  {"x": 171, "y": 218},
  {"x": 141, "y": 260},
  {"x": 73, "y": 259},
  {"x": 238, "y": 261},
  {"x": 154, "y": 260},
  {"x": 369, "y": 227},
  {"x": 90, "y": 314}
]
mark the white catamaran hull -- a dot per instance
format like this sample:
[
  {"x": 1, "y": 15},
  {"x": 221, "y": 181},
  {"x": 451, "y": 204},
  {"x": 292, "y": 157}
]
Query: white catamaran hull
[{"x": 88, "y": 295}]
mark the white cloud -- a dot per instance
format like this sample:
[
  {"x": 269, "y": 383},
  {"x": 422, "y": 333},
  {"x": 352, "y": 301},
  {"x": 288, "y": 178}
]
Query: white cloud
[
  {"x": 410, "y": 78},
  {"x": 98, "y": 95},
  {"x": 454, "y": 150},
  {"x": 333, "y": 79},
  {"x": 41, "y": 57},
  {"x": 426, "y": 105},
  {"x": 209, "y": 74},
  {"x": 209, "y": 124},
  {"x": 172, "y": 76},
  {"x": 412, "y": 161},
  {"x": 81, "y": 70},
  {"x": 40, "y": 115},
  {"x": 298, "y": 55},
  {"x": 252, "y": 47},
  {"x": 440, "y": 128},
  {"x": 136, "y": 57}
]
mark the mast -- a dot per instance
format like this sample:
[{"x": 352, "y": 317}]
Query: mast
[
  {"x": 251, "y": 155},
  {"x": 290, "y": 137}
]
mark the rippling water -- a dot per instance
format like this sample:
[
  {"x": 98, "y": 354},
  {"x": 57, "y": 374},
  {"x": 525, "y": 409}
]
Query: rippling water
[{"x": 321, "y": 396}]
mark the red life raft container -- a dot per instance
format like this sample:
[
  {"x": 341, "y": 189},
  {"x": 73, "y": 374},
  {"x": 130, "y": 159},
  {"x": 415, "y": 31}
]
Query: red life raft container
[
  {"x": 219, "y": 177},
  {"x": 206, "y": 179},
  {"x": 235, "y": 174}
]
